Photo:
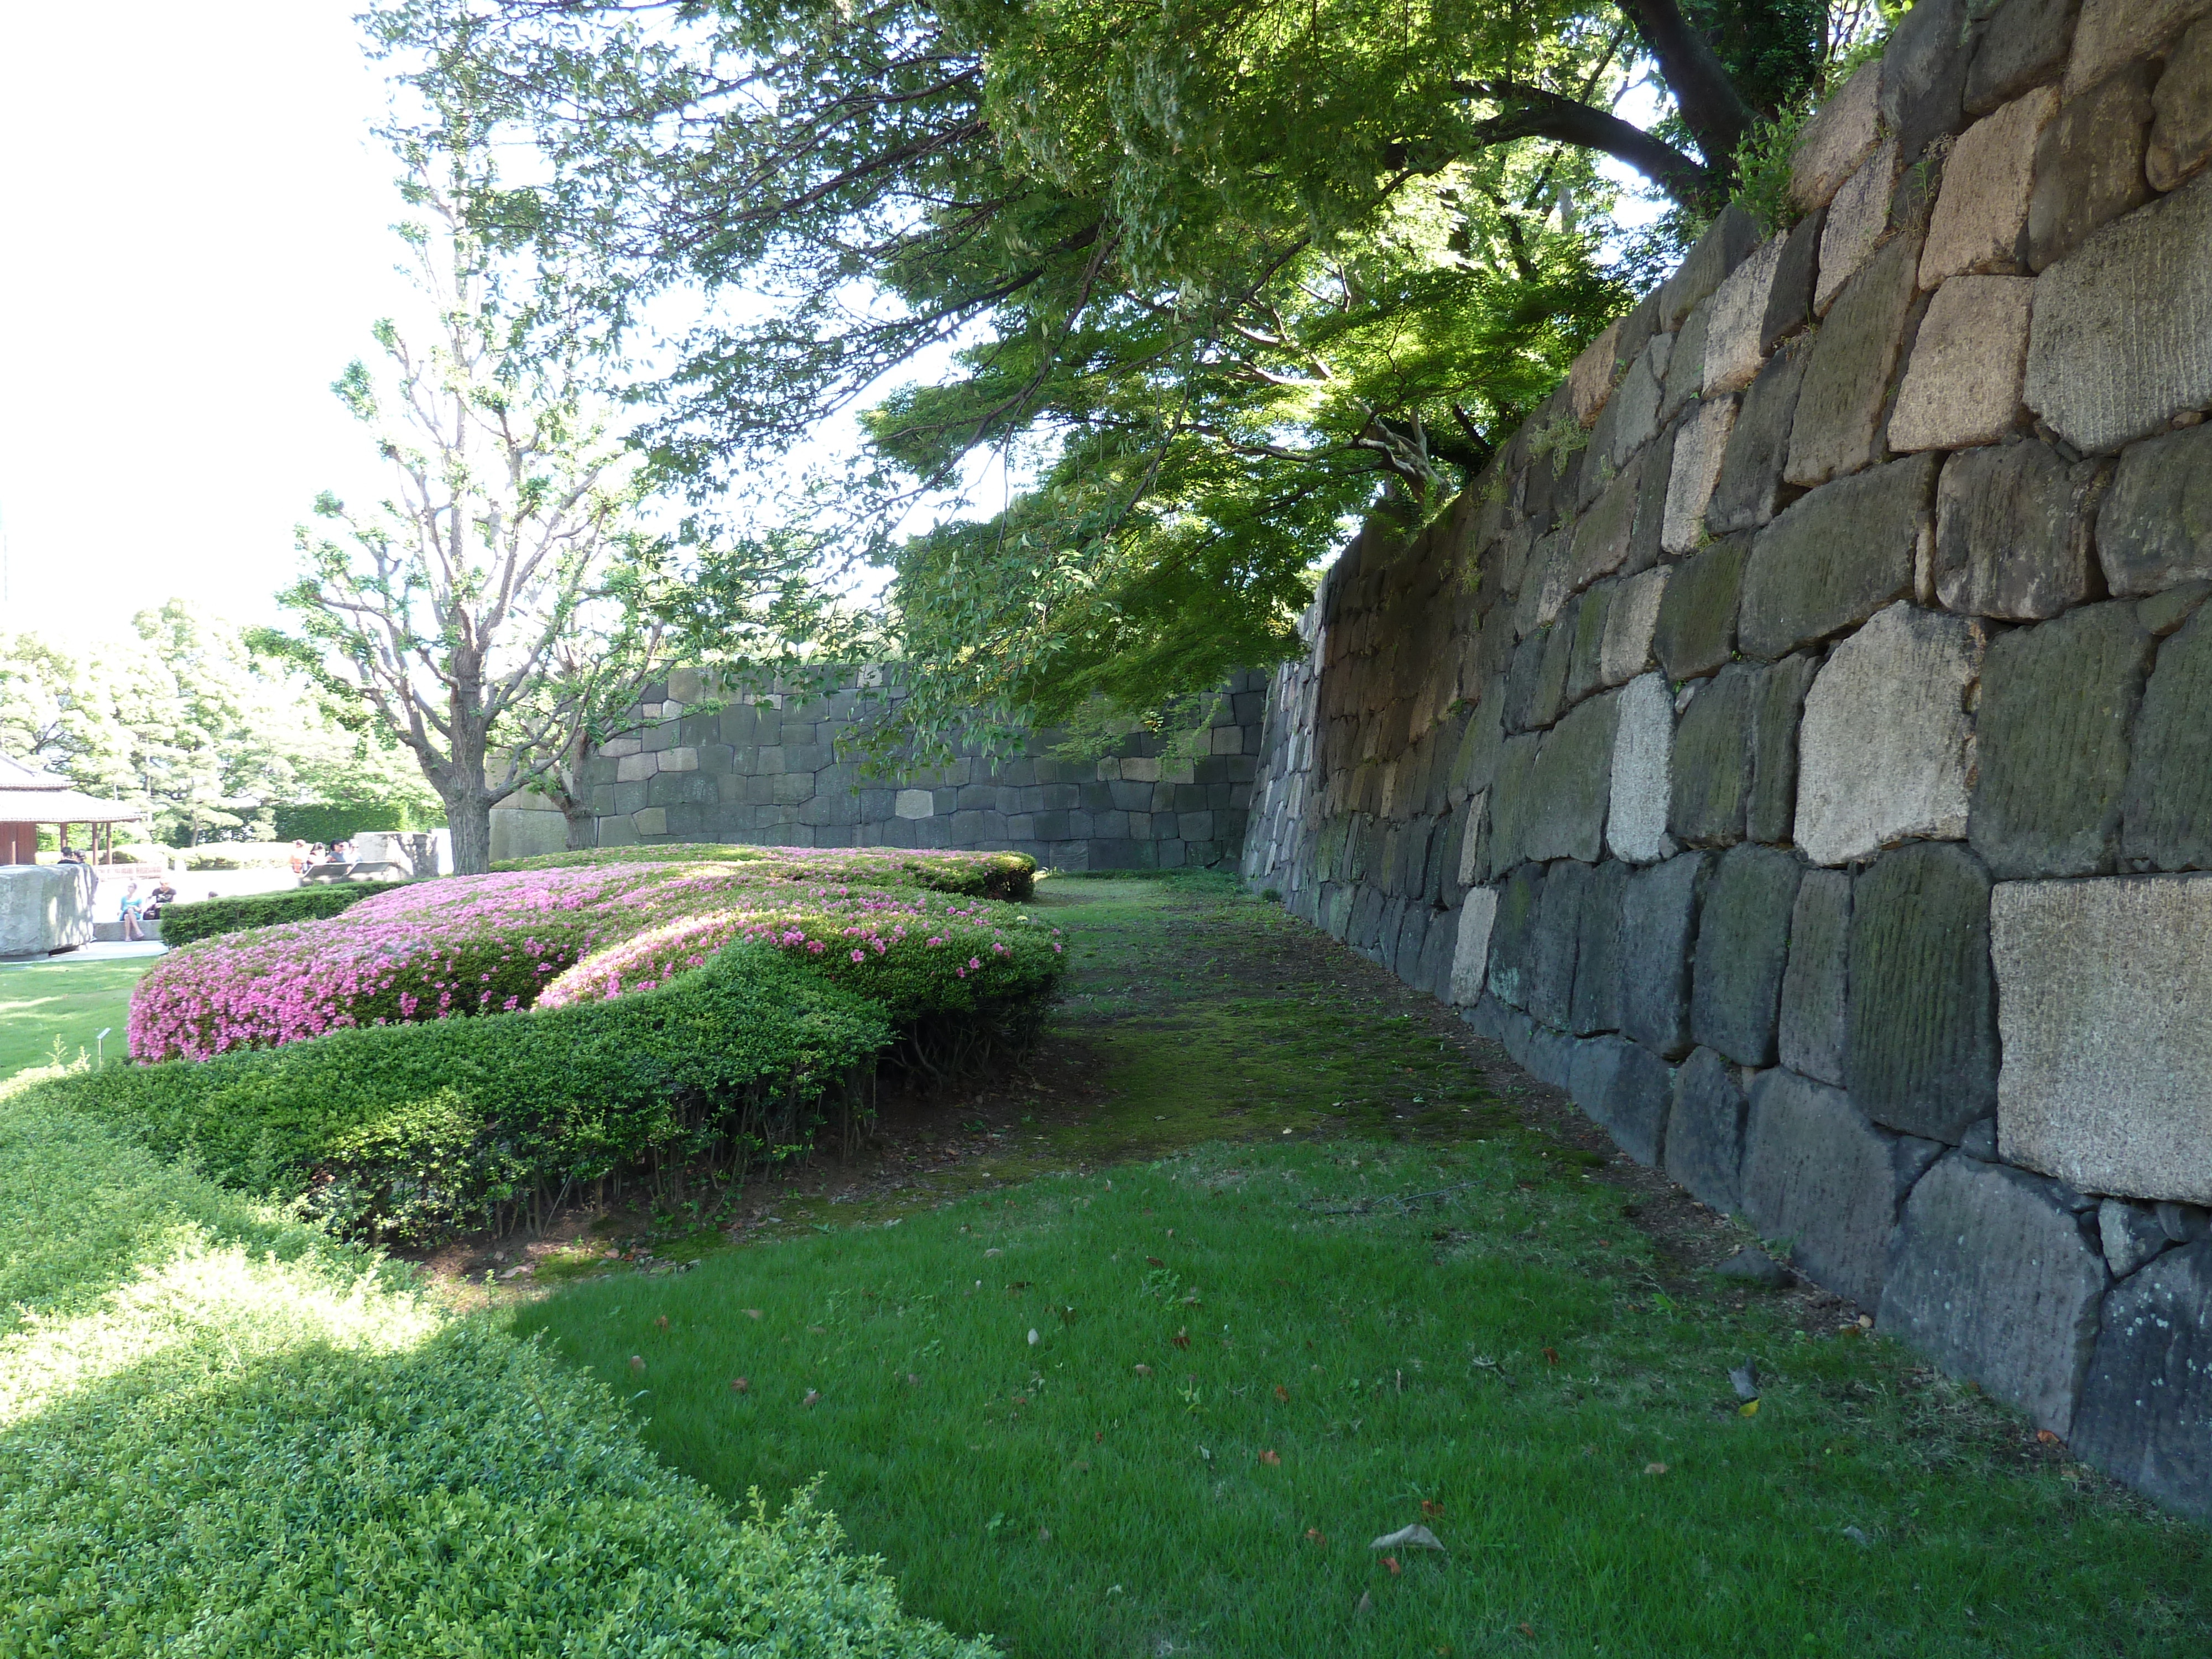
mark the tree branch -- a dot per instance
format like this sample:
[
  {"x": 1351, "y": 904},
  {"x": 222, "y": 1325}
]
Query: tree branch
[{"x": 1537, "y": 114}]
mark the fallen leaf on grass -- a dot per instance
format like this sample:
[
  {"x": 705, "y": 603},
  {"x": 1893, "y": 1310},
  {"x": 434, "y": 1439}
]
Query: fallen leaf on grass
[
  {"x": 1315, "y": 1535},
  {"x": 752, "y": 1313},
  {"x": 1430, "y": 1508},
  {"x": 1155, "y": 1262},
  {"x": 912, "y": 1380},
  {"x": 1034, "y": 1338},
  {"x": 1281, "y": 1392},
  {"x": 1416, "y": 1537},
  {"x": 1143, "y": 1369},
  {"x": 1551, "y": 1355},
  {"x": 1182, "y": 1338},
  {"x": 1098, "y": 1437},
  {"x": 1391, "y": 1562},
  {"x": 1271, "y": 1459},
  {"x": 1526, "y": 1630},
  {"x": 1749, "y": 1408},
  {"x": 812, "y": 1395},
  {"x": 1366, "y": 1602},
  {"x": 1655, "y": 1468},
  {"x": 637, "y": 1361},
  {"x": 992, "y": 1251},
  {"x": 2045, "y": 1438},
  {"x": 661, "y": 1323},
  {"x": 740, "y": 1385}
]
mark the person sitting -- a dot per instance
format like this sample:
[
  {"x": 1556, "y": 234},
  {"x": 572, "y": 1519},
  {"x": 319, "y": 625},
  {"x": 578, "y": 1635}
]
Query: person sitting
[
  {"x": 163, "y": 896},
  {"x": 132, "y": 907},
  {"x": 300, "y": 858}
]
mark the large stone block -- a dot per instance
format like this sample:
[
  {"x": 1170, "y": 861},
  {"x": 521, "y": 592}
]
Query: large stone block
[
  {"x": 1749, "y": 491},
  {"x": 1743, "y": 946},
  {"x": 1601, "y": 535},
  {"x": 1658, "y": 927},
  {"x": 2057, "y": 713},
  {"x": 1980, "y": 222},
  {"x": 2181, "y": 134},
  {"x": 2154, "y": 527},
  {"x": 1815, "y": 1171},
  {"x": 1835, "y": 143},
  {"x": 1570, "y": 785},
  {"x": 1884, "y": 743},
  {"x": 1653, "y": 476},
  {"x": 1590, "y": 377},
  {"x": 2146, "y": 1410},
  {"x": 1512, "y": 803},
  {"x": 2105, "y": 1002},
  {"x": 1711, "y": 760},
  {"x": 1697, "y": 626},
  {"x": 2025, "y": 45},
  {"x": 1856, "y": 222},
  {"x": 1700, "y": 445},
  {"x": 1550, "y": 696},
  {"x": 1704, "y": 1130},
  {"x": 1635, "y": 406},
  {"x": 1597, "y": 1005},
  {"x": 1686, "y": 365},
  {"x": 1924, "y": 73},
  {"x": 1723, "y": 246},
  {"x": 2113, "y": 32},
  {"x": 1962, "y": 385},
  {"x": 1790, "y": 301},
  {"x": 1631, "y": 621},
  {"x": 1990, "y": 1277},
  {"x": 1555, "y": 942},
  {"x": 2012, "y": 538},
  {"x": 1738, "y": 315},
  {"x": 1470, "y": 964},
  {"x": 1513, "y": 935},
  {"x": 1777, "y": 707},
  {"x": 46, "y": 907},
  {"x": 1837, "y": 428},
  {"x": 2167, "y": 813},
  {"x": 1643, "y": 772},
  {"x": 1921, "y": 1054},
  {"x": 1586, "y": 669},
  {"x": 1837, "y": 556},
  {"x": 1816, "y": 988},
  {"x": 2089, "y": 164},
  {"x": 1626, "y": 1089}
]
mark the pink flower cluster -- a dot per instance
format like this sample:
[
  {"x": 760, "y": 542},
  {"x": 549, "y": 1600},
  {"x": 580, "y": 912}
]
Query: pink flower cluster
[{"x": 487, "y": 944}]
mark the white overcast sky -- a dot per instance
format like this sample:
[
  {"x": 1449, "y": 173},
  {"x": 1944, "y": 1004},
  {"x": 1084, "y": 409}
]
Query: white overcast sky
[{"x": 196, "y": 242}]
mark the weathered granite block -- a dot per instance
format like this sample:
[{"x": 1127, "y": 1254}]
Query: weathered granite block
[
  {"x": 1884, "y": 743},
  {"x": 1513, "y": 935},
  {"x": 1596, "y": 1004},
  {"x": 1550, "y": 696},
  {"x": 2130, "y": 1234},
  {"x": 1723, "y": 246},
  {"x": 1817, "y": 1172},
  {"x": 1743, "y": 946},
  {"x": 2181, "y": 134},
  {"x": 1776, "y": 709},
  {"x": 1816, "y": 986},
  {"x": 1635, "y": 406},
  {"x": 1696, "y": 627},
  {"x": 2024, "y": 45},
  {"x": 2116, "y": 32},
  {"x": 1653, "y": 478},
  {"x": 2057, "y": 713},
  {"x": 2146, "y": 1410},
  {"x": 1523, "y": 678},
  {"x": 1686, "y": 365},
  {"x": 1631, "y": 620},
  {"x": 1700, "y": 445},
  {"x": 1586, "y": 669},
  {"x": 1711, "y": 761},
  {"x": 1990, "y": 1277},
  {"x": 1557, "y": 935},
  {"x": 1737, "y": 315},
  {"x": 1837, "y": 429},
  {"x": 1980, "y": 222},
  {"x": 2154, "y": 527},
  {"x": 2106, "y": 365},
  {"x": 1590, "y": 377},
  {"x": 1790, "y": 300},
  {"x": 1924, "y": 73},
  {"x": 1571, "y": 785},
  {"x": 1643, "y": 772},
  {"x": 2106, "y": 1011},
  {"x": 1601, "y": 535},
  {"x": 1512, "y": 803},
  {"x": 1470, "y": 962},
  {"x": 2012, "y": 539},
  {"x": 1658, "y": 930},
  {"x": 1704, "y": 1130},
  {"x": 1920, "y": 1054},
  {"x": 1837, "y": 556},
  {"x": 1749, "y": 490},
  {"x": 1856, "y": 222},
  {"x": 1962, "y": 385},
  {"x": 1837, "y": 140},
  {"x": 1626, "y": 1089},
  {"x": 2167, "y": 813},
  {"x": 2089, "y": 164}
]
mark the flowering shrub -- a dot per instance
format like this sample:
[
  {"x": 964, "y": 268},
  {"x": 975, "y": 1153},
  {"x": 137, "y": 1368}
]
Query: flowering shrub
[
  {"x": 477, "y": 944},
  {"x": 982, "y": 875}
]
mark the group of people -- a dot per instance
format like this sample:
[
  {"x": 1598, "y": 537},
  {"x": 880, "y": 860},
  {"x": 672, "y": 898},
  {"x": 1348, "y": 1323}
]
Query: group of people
[
  {"x": 137, "y": 910},
  {"x": 307, "y": 855}
]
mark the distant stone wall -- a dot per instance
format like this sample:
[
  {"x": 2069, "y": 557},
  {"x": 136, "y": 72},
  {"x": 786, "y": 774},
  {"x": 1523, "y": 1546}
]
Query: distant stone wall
[
  {"x": 778, "y": 769},
  {"x": 1798, "y": 746}
]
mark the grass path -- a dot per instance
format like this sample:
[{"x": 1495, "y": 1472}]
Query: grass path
[
  {"x": 42, "y": 1003},
  {"x": 1138, "y": 1372}
]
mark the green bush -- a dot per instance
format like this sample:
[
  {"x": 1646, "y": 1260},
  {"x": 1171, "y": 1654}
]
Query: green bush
[
  {"x": 223, "y": 1433},
  {"x": 978, "y": 875},
  {"x": 322, "y": 820},
  {"x": 408, "y": 1132},
  {"x": 205, "y": 918}
]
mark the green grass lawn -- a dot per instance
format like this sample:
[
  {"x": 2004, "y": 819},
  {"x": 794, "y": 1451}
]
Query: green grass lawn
[
  {"x": 45, "y": 1002},
  {"x": 1250, "y": 1359}
]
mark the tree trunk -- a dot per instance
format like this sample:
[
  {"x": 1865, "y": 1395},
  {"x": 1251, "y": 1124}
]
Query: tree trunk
[
  {"x": 583, "y": 827},
  {"x": 469, "y": 819}
]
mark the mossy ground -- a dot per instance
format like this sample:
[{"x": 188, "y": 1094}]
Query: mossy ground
[{"x": 1253, "y": 1354}]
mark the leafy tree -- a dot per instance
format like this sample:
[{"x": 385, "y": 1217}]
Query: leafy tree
[{"x": 1203, "y": 277}]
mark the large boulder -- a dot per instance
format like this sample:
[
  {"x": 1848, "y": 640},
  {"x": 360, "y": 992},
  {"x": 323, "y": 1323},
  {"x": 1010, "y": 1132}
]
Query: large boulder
[{"x": 45, "y": 907}]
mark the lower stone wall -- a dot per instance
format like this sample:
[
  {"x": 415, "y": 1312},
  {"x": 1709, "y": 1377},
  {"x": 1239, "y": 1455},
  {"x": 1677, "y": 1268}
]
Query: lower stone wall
[
  {"x": 1798, "y": 746},
  {"x": 778, "y": 769}
]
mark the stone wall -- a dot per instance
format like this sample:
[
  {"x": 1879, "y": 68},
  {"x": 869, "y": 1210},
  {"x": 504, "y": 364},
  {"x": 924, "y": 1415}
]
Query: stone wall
[
  {"x": 779, "y": 769},
  {"x": 1798, "y": 746}
]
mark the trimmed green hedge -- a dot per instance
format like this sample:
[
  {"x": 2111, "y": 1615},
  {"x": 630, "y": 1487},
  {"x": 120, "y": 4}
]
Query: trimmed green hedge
[
  {"x": 977, "y": 875},
  {"x": 408, "y": 1132},
  {"x": 205, "y": 918},
  {"x": 225, "y": 1433}
]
